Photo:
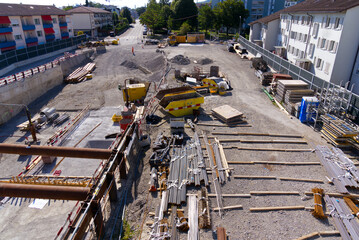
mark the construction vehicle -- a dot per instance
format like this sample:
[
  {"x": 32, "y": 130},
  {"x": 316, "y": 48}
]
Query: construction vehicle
[
  {"x": 133, "y": 91},
  {"x": 216, "y": 85},
  {"x": 190, "y": 38}
]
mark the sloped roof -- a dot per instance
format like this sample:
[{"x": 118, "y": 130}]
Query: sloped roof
[
  {"x": 311, "y": 6},
  {"x": 7, "y": 9},
  {"x": 83, "y": 9}
]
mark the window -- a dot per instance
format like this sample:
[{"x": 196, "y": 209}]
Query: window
[
  {"x": 311, "y": 49},
  {"x": 303, "y": 20},
  {"x": 336, "y": 23},
  {"x": 315, "y": 30},
  {"x": 39, "y": 33},
  {"x": 300, "y": 37},
  {"x": 324, "y": 19},
  {"x": 37, "y": 21},
  {"x": 70, "y": 30},
  {"x": 335, "y": 47},
  {"x": 327, "y": 23},
  {"x": 297, "y": 52},
  {"x": 14, "y": 22},
  {"x": 326, "y": 68},
  {"x": 322, "y": 44},
  {"x": 319, "y": 64},
  {"x": 319, "y": 42},
  {"x": 54, "y": 20},
  {"x": 301, "y": 54},
  {"x": 331, "y": 46},
  {"x": 18, "y": 37},
  {"x": 305, "y": 37},
  {"x": 68, "y": 20}
]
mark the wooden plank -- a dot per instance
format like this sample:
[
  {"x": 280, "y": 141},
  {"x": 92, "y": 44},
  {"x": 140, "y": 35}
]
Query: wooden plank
[
  {"x": 224, "y": 125},
  {"x": 221, "y": 233},
  {"x": 336, "y": 195},
  {"x": 275, "y": 163},
  {"x": 255, "y": 177},
  {"x": 256, "y": 134},
  {"x": 244, "y": 195},
  {"x": 275, "y": 149},
  {"x": 262, "y": 209},
  {"x": 273, "y": 193},
  {"x": 228, "y": 207},
  {"x": 192, "y": 218},
  {"x": 301, "y": 179},
  {"x": 310, "y": 235}
]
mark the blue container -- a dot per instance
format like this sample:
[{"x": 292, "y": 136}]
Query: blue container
[{"x": 308, "y": 109}]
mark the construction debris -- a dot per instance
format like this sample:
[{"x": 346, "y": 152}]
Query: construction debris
[
  {"x": 285, "y": 85},
  {"x": 227, "y": 114},
  {"x": 204, "y": 219}
]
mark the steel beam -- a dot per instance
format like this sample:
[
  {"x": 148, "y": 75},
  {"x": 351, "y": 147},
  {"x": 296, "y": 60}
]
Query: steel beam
[
  {"x": 43, "y": 191},
  {"x": 55, "y": 151}
]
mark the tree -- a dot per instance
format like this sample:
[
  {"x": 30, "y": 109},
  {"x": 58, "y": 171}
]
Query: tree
[
  {"x": 185, "y": 28},
  {"x": 152, "y": 16},
  {"x": 125, "y": 12},
  {"x": 206, "y": 17},
  {"x": 140, "y": 10},
  {"x": 184, "y": 11},
  {"x": 67, "y": 8},
  {"x": 164, "y": 2},
  {"x": 229, "y": 13},
  {"x": 166, "y": 14},
  {"x": 115, "y": 18},
  {"x": 87, "y": 3}
]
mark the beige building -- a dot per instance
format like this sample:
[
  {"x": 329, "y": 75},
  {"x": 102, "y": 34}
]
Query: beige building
[
  {"x": 90, "y": 20},
  {"x": 23, "y": 25}
]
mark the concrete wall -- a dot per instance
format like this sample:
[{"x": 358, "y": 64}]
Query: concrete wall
[
  {"x": 81, "y": 21},
  {"x": 26, "y": 91},
  {"x": 71, "y": 64},
  {"x": 271, "y": 35},
  {"x": 346, "y": 53}
]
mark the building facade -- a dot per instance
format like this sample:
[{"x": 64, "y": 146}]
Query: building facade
[
  {"x": 90, "y": 20},
  {"x": 319, "y": 35},
  {"x": 23, "y": 25}
]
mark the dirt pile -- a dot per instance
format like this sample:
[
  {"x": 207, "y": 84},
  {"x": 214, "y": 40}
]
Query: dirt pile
[
  {"x": 129, "y": 64},
  {"x": 181, "y": 60},
  {"x": 204, "y": 61}
]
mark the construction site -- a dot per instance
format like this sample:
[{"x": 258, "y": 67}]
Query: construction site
[{"x": 180, "y": 141}]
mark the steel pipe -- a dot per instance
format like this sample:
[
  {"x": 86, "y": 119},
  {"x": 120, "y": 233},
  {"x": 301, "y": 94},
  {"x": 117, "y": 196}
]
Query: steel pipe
[
  {"x": 55, "y": 151},
  {"x": 42, "y": 191}
]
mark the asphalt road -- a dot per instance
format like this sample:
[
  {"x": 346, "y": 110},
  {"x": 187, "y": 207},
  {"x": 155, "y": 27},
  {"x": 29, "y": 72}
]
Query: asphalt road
[{"x": 133, "y": 35}]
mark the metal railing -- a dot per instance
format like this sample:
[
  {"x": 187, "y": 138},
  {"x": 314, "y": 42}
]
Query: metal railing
[
  {"x": 283, "y": 66},
  {"x": 11, "y": 57}
]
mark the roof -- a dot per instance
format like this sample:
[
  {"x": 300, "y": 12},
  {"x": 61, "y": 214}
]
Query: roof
[
  {"x": 312, "y": 6},
  {"x": 83, "y": 9},
  {"x": 7, "y": 9}
]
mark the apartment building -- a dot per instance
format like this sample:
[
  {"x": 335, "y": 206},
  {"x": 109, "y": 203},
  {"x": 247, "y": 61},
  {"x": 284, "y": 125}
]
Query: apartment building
[
  {"x": 24, "y": 25},
  {"x": 319, "y": 35},
  {"x": 90, "y": 20}
]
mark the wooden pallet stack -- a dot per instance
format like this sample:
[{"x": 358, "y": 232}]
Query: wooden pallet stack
[
  {"x": 292, "y": 97},
  {"x": 80, "y": 73},
  {"x": 228, "y": 115},
  {"x": 266, "y": 78},
  {"x": 284, "y": 85},
  {"x": 338, "y": 132}
]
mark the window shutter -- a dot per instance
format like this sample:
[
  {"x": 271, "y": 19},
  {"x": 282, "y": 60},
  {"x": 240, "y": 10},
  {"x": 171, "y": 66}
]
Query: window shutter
[
  {"x": 321, "y": 65},
  {"x": 341, "y": 23},
  {"x": 326, "y": 44},
  {"x": 319, "y": 42},
  {"x": 323, "y": 21}
]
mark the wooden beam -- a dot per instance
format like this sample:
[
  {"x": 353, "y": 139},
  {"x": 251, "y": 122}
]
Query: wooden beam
[
  {"x": 256, "y": 134},
  {"x": 335, "y": 195},
  {"x": 275, "y": 149},
  {"x": 243, "y": 195},
  {"x": 301, "y": 179},
  {"x": 262, "y": 209},
  {"x": 273, "y": 193},
  {"x": 255, "y": 177},
  {"x": 274, "y": 163},
  {"x": 228, "y": 207}
]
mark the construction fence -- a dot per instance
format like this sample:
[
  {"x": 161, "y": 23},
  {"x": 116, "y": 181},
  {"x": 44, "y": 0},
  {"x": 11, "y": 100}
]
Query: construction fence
[
  {"x": 283, "y": 66},
  {"x": 15, "y": 56}
]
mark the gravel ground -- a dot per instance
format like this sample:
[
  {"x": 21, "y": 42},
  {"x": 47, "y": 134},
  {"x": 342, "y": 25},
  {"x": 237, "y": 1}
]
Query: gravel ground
[{"x": 248, "y": 98}]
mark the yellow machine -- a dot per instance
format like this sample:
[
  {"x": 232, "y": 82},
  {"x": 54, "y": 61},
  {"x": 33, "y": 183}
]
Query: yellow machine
[
  {"x": 216, "y": 84},
  {"x": 133, "y": 92},
  {"x": 173, "y": 40}
]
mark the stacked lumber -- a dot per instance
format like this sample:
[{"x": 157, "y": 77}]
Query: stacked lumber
[
  {"x": 284, "y": 85},
  {"x": 318, "y": 206},
  {"x": 338, "y": 132},
  {"x": 266, "y": 78},
  {"x": 294, "y": 96},
  {"x": 80, "y": 73},
  {"x": 204, "y": 219},
  {"x": 228, "y": 115}
]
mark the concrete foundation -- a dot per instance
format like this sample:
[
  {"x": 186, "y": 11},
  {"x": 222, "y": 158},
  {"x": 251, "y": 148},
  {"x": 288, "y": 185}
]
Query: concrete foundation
[{"x": 27, "y": 90}]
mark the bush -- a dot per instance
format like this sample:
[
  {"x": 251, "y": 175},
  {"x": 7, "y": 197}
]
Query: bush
[{"x": 185, "y": 28}]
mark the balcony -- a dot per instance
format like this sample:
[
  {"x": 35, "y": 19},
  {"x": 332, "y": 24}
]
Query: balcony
[
  {"x": 48, "y": 25},
  {"x": 50, "y": 37},
  {"x": 31, "y": 40},
  {"x": 65, "y": 34},
  {"x": 7, "y": 44},
  {"x": 28, "y": 27},
  {"x": 63, "y": 24},
  {"x": 6, "y": 30}
]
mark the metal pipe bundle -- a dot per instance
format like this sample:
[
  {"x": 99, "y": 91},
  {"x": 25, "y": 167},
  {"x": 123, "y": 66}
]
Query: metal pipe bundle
[
  {"x": 220, "y": 168},
  {"x": 201, "y": 162}
]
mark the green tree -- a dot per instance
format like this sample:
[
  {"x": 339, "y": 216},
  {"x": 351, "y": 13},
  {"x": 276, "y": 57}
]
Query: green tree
[
  {"x": 164, "y": 2},
  {"x": 152, "y": 17},
  {"x": 125, "y": 12},
  {"x": 87, "y": 3},
  {"x": 206, "y": 17},
  {"x": 230, "y": 12},
  {"x": 166, "y": 14},
  {"x": 140, "y": 10},
  {"x": 67, "y": 8},
  {"x": 184, "y": 11},
  {"x": 185, "y": 28},
  {"x": 115, "y": 18}
]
